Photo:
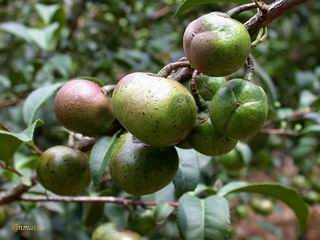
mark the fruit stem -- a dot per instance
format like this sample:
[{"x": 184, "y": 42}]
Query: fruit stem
[
  {"x": 167, "y": 70},
  {"x": 195, "y": 92},
  {"x": 234, "y": 12},
  {"x": 249, "y": 68}
]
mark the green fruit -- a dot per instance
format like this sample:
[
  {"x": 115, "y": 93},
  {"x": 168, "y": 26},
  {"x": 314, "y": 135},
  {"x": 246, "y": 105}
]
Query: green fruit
[
  {"x": 242, "y": 211},
  {"x": 300, "y": 181},
  {"x": 184, "y": 144},
  {"x": 3, "y": 216},
  {"x": 63, "y": 170},
  {"x": 216, "y": 45},
  {"x": 142, "y": 223},
  {"x": 83, "y": 107},
  {"x": 232, "y": 161},
  {"x": 140, "y": 169},
  {"x": 158, "y": 111},
  {"x": 239, "y": 109},
  {"x": 262, "y": 205},
  {"x": 109, "y": 231},
  {"x": 205, "y": 139},
  {"x": 311, "y": 197},
  {"x": 208, "y": 86}
]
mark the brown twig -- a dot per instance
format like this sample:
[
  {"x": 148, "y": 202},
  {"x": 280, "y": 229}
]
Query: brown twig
[
  {"x": 15, "y": 193},
  {"x": 195, "y": 92},
  {"x": 249, "y": 68},
  {"x": 275, "y": 10},
  {"x": 11, "y": 169},
  {"x": 167, "y": 70},
  {"x": 281, "y": 132},
  {"x": 86, "y": 199},
  {"x": 234, "y": 12}
]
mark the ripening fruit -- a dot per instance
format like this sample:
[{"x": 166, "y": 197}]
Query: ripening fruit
[
  {"x": 83, "y": 107},
  {"x": 216, "y": 45},
  {"x": 140, "y": 169},
  {"x": 208, "y": 86},
  {"x": 63, "y": 170},
  {"x": 109, "y": 231},
  {"x": 158, "y": 111},
  {"x": 3, "y": 216},
  {"x": 232, "y": 161},
  {"x": 262, "y": 206},
  {"x": 239, "y": 109},
  {"x": 205, "y": 139},
  {"x": 142, "y": 222}
]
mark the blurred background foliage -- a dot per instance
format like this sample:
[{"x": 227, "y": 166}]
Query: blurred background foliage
[{"x": 45, "y": 42}]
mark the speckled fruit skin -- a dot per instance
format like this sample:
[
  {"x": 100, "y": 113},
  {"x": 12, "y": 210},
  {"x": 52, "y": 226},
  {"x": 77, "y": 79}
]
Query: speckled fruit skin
[
  {"x": 140, "y": 169},
  {"x": 208, "y": 86},
  {"x": 63, "y": 170},
  {"x": 109, "y": 231},
  {"x": 205, "y": 139},
  {"x": 216, "y": 45},
  {"x": 83, "y": 107},
  {"x": 158, "y": 111},
  {"x": 239, "y": 109}
]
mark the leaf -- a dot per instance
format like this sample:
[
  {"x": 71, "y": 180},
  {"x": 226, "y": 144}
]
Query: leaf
[
  {"x": 288, "y": 195},
  {"x": 46, "y": 12},
  {"x": 100, "y": 156},
  {"x": 16, "y": 29},
  {"x": 36, "y": 99},
  {"x": 244, "y": 151},
  {"x": 188, "y": 4},
  {"x": 93, "y": 79},
  {"x": 44, "y": 38},
  {"x": 314, "y": 129},
  {"x": 187, "y": 176},
  {"x": 162, "y": 212},
  {"x": 62, "y": 63},
  {"x": 203, "y": 219},
  {"x": 9, "y": 141},
  {"x": 267, "y": 81}
]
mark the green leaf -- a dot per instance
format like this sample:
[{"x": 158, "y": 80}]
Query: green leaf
[
  {"x": 46, "y": 12},
  {"x": 36, "y": 99},
  {"x": 187, "y": 176},
  {"x": 16, "y": 29},
  {"x": 203, "y": 219},
  {"x": 44, "y": 37},
  {"x": 314, "y": 129},
  {"x": 162, "y": 212},
  {"x": 100, "y": 156},
  {"x": 288, "y": 195},
  {"x": 188, "y": 4},
  {"x": 9, "y": 141},
  {"x": 244, "y": 151}
]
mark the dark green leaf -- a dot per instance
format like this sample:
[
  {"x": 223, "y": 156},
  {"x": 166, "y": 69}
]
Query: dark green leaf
[
  {"x": 187, "y": 176},
  {"x": 203, "y": 218},
  {"x": 288, "y": 195},
  {"x": 36, "y": 99},
  {"x": 188, "y": 4},
  {"x": 100, "y": 156},
  {"x": 9, "y": 141},
  {"x": 314, "y": 129}
]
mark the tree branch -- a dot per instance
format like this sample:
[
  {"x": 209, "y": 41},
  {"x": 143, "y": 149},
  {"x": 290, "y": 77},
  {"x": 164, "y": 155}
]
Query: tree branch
[
  {"x": 275, "y": 10},
  {"x": 239, "y": 9},
  {"x": 86, "y": 199},
  {"x": 166, "y": 70},
  {"x": 15, "y": 193}
]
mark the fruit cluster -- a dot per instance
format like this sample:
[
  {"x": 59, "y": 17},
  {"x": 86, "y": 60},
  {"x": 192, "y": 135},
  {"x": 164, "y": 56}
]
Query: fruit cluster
[{"x": 159, "y": 113}]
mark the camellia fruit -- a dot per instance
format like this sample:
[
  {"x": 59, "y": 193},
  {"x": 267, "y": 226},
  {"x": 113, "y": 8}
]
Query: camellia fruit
[
  {"x": 63, "y": 170},
  {"x": 208, "y": 86},
  {"x": 239, "y": 109},
  {"x": 109, "y": 231},
  {"x": 158, "y": 111},
  {"x": 83, "y": 107},
  {"x": 216, "y": 45},
  {"x": 140, "y": 169},
  {"x": 205, "y": 139}
]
